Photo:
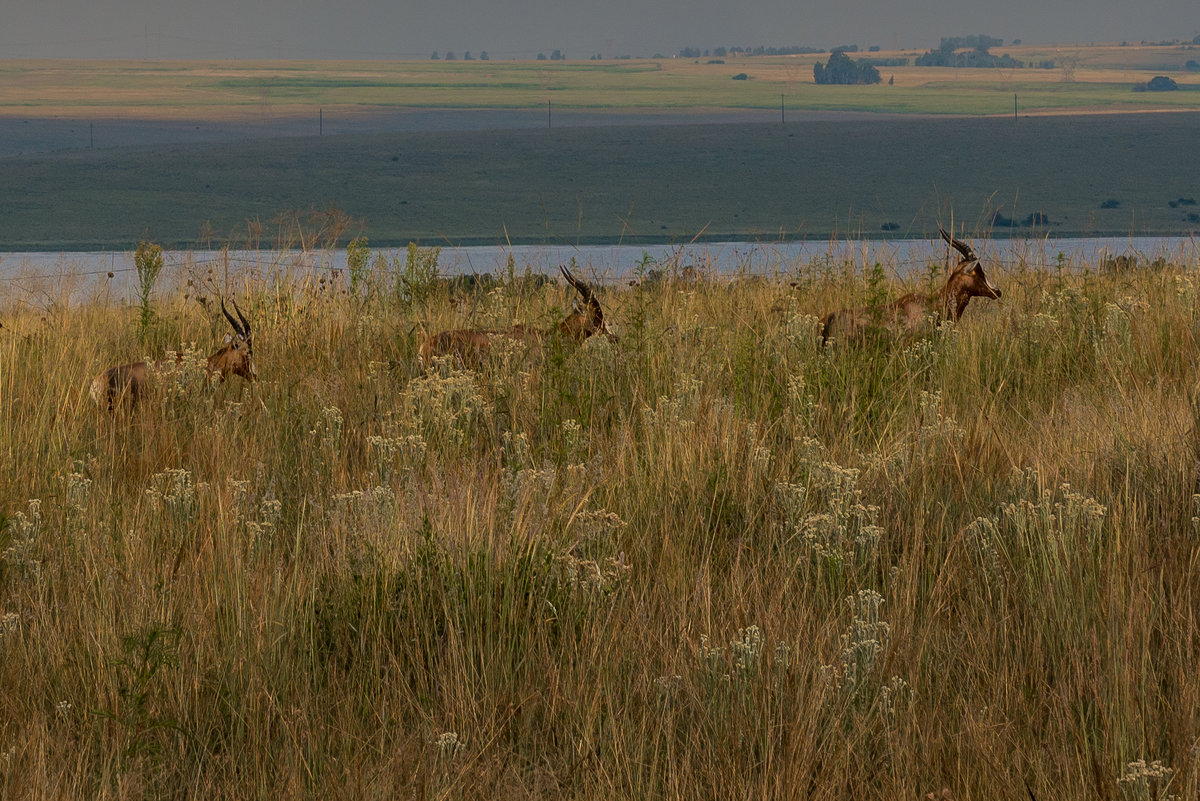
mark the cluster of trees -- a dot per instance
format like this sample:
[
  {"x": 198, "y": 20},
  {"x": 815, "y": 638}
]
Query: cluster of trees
[
  {"x": 953, "y": 51},
  {"x": 967, "y": 51},
  {"x": 557, "y": 55},
  {"x": 722, "y": 52},
  {"x": 483, "y": 56},
  {"x": 1159, "y": 83},
  {"x": 1037, "y": 218},
  {"x": 978, "y": 41},
  {"x": 841, "y": 69}
]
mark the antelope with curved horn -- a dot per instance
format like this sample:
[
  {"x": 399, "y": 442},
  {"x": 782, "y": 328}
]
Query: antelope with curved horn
[
  {"x": 129, "y": 382},
  {"x": 471, "y": 345},
  {"x": 967, "y": 280}
]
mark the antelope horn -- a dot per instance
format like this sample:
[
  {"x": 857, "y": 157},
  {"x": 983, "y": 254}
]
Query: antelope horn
[
  {"x": 242, "y": 317},
  {"x": 959, "y": 245},
  {"x": 237, "y": 329},
  {"x": 580, "y": 286}
]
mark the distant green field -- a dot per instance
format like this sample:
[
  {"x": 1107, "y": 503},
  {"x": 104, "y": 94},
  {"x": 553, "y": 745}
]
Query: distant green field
[{"x": 1088, "y": 175}]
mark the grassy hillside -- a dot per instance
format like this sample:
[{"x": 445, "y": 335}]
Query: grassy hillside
[
  {"x": 1087, "y": 175},
  {"x": 710, "y": 561}
]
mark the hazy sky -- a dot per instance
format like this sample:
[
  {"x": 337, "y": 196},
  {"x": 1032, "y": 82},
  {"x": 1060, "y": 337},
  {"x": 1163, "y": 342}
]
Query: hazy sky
[{"x": 580, "y": 28}]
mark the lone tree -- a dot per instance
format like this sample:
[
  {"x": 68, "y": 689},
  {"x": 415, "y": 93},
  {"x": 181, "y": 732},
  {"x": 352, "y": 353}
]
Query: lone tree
[{"x": 842, "y": 69}]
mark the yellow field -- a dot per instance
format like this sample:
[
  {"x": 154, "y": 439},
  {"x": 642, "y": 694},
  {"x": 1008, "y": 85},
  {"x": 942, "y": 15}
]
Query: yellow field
[{"x": 1086, "y": 78}]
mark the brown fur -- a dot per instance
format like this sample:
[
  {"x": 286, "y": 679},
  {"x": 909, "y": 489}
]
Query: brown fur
[
  {"x": 128, "y": 383},
  {"x": 909, "y": 312},
  {"x": 471, "y": 345}
]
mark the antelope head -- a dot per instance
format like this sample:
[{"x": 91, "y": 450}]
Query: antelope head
[
  {"x": 967, "y": 280},
  {"x": 236, "y": 355},
  {"x": 587, "y": 317}
]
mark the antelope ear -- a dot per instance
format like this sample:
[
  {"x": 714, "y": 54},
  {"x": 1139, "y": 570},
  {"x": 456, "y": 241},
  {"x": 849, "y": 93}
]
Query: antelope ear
[{"x": 228, "y": 339}]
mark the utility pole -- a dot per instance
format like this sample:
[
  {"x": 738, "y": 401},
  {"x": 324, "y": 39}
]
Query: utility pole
[
  {"x": 320, "y": 122},
  {"x": 1014, "y": 106},
  {"x": 548, "y": 114},
  {"x": 781, "y": 119}
]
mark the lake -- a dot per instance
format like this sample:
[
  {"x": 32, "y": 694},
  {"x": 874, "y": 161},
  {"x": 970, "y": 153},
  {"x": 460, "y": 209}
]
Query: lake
[{"x": 22, "y": 273}]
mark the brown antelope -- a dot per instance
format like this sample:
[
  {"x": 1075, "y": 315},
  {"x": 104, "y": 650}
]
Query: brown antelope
[
  {"x": 129, "y": 382},
  {"x": 967, "y": 280},
  {"x": 471, "y": 345}
]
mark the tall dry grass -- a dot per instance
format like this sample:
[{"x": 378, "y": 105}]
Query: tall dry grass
[{"x": 712, "y": 561}]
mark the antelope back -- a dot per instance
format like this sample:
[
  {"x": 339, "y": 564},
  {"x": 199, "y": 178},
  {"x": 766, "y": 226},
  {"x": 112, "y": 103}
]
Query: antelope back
[
  {"x": 121, "y": 385},
  {"x": 906, "y": 313},
  {"x": 467, "y": 345},
  {"x": 470, "y": 345}
]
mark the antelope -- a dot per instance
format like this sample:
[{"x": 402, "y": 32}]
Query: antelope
[
  {"x": 967, "y": 280},
  {"x": 471, "y": 345},
  {"x": 129, "y": 382}
]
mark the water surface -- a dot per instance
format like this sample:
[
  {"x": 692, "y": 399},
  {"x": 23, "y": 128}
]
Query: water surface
[{"x": 22, "y": 273}]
